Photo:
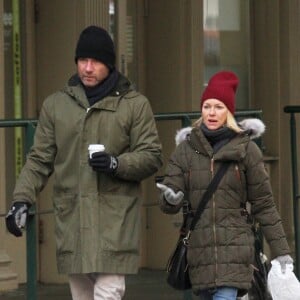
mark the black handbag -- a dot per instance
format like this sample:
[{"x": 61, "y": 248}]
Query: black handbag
[{"x": 177, "y": 266}]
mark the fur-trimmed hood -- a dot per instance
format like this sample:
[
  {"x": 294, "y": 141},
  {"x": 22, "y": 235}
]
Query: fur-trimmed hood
[{"x": 254, "y": 127}]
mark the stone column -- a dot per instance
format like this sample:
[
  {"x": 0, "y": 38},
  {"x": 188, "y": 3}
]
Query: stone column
[
  {"x": 92, "y": 12},
  {"x": 8, "y": 279}
]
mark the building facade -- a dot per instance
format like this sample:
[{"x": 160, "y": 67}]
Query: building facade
[{"x": 168, "y": 49}]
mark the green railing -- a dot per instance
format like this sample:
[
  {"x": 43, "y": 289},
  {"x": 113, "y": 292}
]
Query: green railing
[
  {"x": 31, "y": 229},
  {"x": 292, "y": 110},
  {"x": 31, "y": 236}
]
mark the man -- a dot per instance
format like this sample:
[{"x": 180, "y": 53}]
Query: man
[{"x": 96, "y": 200}]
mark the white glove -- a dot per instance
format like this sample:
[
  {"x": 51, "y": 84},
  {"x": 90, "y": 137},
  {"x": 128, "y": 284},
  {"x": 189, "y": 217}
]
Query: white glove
[
  {"x": 170, "y": 196},
  {"x": 284, "y": 260}
]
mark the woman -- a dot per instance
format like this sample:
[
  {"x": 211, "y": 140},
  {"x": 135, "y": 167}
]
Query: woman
[{"x": 221, "y": 248}]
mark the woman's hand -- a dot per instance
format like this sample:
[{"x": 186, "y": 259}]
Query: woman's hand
[
  {"x": 284, "y": 260},
  {"x": 170, "y": 196}
]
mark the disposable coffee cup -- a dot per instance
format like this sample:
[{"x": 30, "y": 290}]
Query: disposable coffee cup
[{"x": 95, "y": 148}]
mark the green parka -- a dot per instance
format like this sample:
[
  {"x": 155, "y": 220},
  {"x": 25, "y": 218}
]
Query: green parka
[
  {"x": 221, "y": 248},
  {"x": 97, "y": 216}
]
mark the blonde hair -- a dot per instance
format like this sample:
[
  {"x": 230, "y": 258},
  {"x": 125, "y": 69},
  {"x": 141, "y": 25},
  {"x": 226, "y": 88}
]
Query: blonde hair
[{"x": 230, "y": 123}]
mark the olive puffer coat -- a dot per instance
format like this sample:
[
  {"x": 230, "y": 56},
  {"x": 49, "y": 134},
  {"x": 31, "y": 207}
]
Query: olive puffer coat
[
  {"x": 221, "y": 248},
  {"x": 97, "y": 216}
]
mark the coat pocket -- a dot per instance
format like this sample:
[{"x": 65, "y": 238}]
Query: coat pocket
[
  {"x": 66, "y": 222},
  {"x": 119, "y": 223}
]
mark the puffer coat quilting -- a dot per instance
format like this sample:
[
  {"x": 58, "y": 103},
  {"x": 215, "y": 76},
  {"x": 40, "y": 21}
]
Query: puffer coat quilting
[{"x": 221, "y": 248}]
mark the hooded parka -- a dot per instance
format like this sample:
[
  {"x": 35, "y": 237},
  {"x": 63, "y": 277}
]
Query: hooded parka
[
  {"x": 97, "y": 215},
  {"x": 221, "y": 248}
]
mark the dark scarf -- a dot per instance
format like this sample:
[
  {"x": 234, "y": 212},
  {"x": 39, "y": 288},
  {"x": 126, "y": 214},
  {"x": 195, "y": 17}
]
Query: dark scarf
[
  {"x": 218, "y": 138},
  {"x": 101, "y": 90}
]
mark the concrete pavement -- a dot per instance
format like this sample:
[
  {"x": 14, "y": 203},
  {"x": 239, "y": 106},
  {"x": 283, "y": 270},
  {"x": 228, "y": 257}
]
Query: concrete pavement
[{"x": 147, "y": 285}]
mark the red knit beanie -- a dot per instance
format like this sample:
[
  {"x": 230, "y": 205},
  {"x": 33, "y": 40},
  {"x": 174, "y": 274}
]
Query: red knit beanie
[{"x": 222, "y": 86}]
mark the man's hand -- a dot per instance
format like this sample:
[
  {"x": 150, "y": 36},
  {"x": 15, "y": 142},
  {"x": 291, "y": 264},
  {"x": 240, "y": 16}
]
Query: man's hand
[
  {"x": 170, "y": 196},
  {"x": 16, "y": 218},
  {"x": 284, "y": 260},
  {"x": 103, "y": 162}
]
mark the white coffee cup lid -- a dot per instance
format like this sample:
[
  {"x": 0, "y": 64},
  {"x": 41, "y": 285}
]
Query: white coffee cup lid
[{"x": 96, "y": 147}]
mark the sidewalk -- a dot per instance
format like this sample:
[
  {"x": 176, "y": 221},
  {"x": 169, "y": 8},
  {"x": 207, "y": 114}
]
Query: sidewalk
[{"x": 147, "y": 285}]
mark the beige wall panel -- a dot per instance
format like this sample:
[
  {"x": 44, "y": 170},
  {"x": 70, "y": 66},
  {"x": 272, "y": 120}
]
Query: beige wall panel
[
  {"x": 150, "y": 201},
  {"x": 266, "y": 68},
  {"x": 163, "y": 234},
  {"x": 55, "y": 48},
  {"x": 266, "y": 76},
  {"x": 290, "y": 95},
  {"x": 174, "y": 76},
  {"x": 168, "y": 47},
  {"x": 165, "y": 72},
  {"x": 276, "y": 72}
]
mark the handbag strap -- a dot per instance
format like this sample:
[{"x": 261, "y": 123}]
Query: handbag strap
[{"x": 208, "y": 194}]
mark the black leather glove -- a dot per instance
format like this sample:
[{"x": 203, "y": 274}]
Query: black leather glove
[
  {"x": 16, "y": 218},
  {"x": 103, "y": 162}
]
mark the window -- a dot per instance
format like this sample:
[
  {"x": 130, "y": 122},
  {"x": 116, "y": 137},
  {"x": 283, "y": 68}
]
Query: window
[{"x": 227, "y": 42}]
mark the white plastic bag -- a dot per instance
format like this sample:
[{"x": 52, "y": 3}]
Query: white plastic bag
[{"x": 283, "y": 286}]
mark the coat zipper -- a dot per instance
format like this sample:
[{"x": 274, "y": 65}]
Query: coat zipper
[
  {"x": 214, "y": 219},
  {"x": 237, "y": 172}
]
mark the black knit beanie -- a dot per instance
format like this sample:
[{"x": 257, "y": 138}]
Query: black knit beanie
[{"x": 95, "y": 42}]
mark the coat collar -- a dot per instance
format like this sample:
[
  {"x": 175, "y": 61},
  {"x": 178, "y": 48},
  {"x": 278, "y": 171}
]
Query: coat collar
[
  {"x": 74, "y": 89},
  {"x": 253, "y": 127},
  {"x": 233, "y": 151}
]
